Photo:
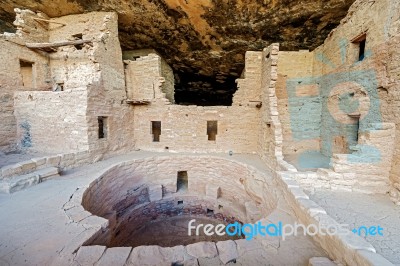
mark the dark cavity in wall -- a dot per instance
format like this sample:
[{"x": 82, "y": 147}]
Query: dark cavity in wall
[
  {"x": 156, "y": 130},
  {"x": 182, "y": 181},
  {"x": 6, "y": 24},
  {"x": 26, "y": 71},
  {"x": 102, "y": 130},
  {"x": 212, "y": 130},
  {"x": 361, "y": 53},
  {"x": 194, "y": 89}
]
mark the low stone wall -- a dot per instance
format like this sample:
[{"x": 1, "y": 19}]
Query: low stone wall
[
  {"x": 347, "y": 249},
  {"x": 366, "y": 170},
  {"x": 61, "y": 161}
]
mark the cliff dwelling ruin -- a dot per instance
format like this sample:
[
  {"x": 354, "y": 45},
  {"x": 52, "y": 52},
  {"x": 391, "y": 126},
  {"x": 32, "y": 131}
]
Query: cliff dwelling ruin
[{"x": 114, "y": 151}]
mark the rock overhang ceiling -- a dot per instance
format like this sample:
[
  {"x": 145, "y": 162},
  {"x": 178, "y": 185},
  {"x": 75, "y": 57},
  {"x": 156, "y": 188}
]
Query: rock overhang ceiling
[{"x": 204, "y": 41}]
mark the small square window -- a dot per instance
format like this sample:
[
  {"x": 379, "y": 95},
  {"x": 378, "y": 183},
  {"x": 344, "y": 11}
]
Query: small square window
[{"x": 59, "y": 86}]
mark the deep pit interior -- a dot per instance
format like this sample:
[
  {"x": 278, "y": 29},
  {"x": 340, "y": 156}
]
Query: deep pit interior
[{"x": 150, "y": 202}]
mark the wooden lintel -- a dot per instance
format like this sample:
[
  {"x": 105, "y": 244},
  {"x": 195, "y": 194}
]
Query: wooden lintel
[
  {"x": 359, "y": 37},
  {"x": 55, "y": 44},
  {"x": 49, "y": 21},
  {"x": 138, "y": 102}
]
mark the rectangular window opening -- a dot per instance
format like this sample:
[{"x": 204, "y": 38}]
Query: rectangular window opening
[
  {"x": 156, "y": 130},
  {"x": 182, "y": 183},
  {"x": 26, "y": 70},
  {"x": 361, "y": 54},
  {"x": 102, "y": 122},
  {"x": 360, "y": 41},
  {"x": 357, "y": 130},
  {"x": 180, "y": 202},
  {"x": 212, "y": 130}
]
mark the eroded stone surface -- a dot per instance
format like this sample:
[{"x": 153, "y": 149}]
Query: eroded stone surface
[
  {"x": 89, "y": 255},
  {"x": 227, "y": 251},
  {"x": 202, "y": 250},
  {"x": 114, "y": 256}
]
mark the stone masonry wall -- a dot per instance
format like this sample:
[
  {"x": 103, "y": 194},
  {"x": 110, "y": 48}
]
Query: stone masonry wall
[
  {"x": 366, "y": 170},
  {"x": 74, "y": 68},
  {"x": 371, "y": 86},
  {"x": 333, "y": 102},
  {"x": 98, "y": 66},
  {"x": 14, "y": 77},
  {"x": 184, "y": 128},
  {"x": 99, "y": 61},
  {"x": 106, "y": 96},
  {"x": 118, "y": 122},
  {"x": 141, "y": 77},
  {"x": 301, "y": 120},
  {"x": 93, "y": 70},
  {"x": 168, "y": 86},
  {"x": 139, "y": 83},
  {"x": 11, "y": 81},
  {"x": 249, "y": 87},
  {"x": 53, "y": 122},
  {"x": 270, "y": 138}
]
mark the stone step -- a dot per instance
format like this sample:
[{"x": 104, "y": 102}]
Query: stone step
[{"x": 21, "y": 182}]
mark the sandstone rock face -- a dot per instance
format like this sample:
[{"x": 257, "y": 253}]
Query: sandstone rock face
[{"x": 204, "y": 41}]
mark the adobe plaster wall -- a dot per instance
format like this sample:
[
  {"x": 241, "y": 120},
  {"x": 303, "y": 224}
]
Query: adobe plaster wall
[{"x": 333, "y": 103}]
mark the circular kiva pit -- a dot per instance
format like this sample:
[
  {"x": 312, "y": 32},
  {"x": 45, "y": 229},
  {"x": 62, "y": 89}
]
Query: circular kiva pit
[{"x": 151, "y": 201}]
